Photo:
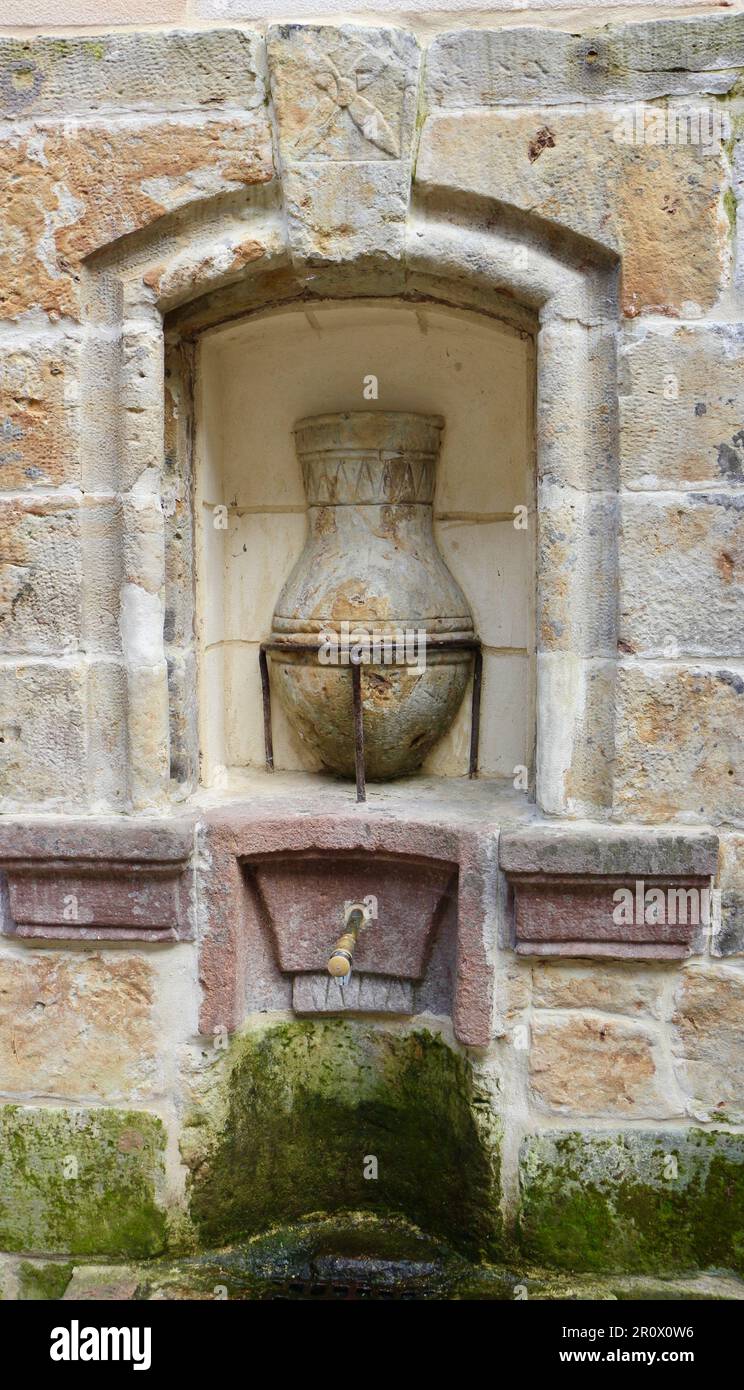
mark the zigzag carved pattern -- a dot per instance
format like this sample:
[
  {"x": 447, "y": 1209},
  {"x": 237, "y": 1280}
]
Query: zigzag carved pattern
[{"x": 343, "y": 479}]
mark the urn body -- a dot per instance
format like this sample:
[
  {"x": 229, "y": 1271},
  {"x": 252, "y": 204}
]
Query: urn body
[{"x": 371, "y": 582}]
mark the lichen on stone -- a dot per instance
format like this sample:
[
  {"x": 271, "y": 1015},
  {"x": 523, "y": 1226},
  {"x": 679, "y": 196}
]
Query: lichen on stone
[
  {"x": 41, "y": 1282},
  {"x": 634, "y": 1201},
  {"x": 80, "y": 1182}
]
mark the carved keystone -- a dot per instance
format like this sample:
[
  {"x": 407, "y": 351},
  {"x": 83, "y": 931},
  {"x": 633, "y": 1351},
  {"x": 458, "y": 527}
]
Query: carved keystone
[{"x": 345, "y": 101}]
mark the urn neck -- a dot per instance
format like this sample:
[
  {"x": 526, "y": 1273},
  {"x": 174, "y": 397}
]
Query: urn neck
[{"x": 369, "y": 459}]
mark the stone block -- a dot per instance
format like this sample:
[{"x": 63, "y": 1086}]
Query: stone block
[
  {"x": 101, "y": 535},
  {"x": 42, "y": 733},
  {"x": 491, "y": 562},
  {"x": 347, "y": 211},
  {"x": 682, "y": 575},
  {"x": 576, "y": 421},
  {"x": 67, "y": 195},
  {"x": 80, "y": 1182},
  {"x": 97, "y": 882},
  {"x": 668, "y": 57},
  {"x": 343, "y": 93},
  {"x": 77, "y": 75},
  {"x": 728, "y": 936},
  {"x": 736, "y": 214},
  {"x": 657, "y": 206},
  {"x": 304, "y": 902},
  {"x": 49, "y": 902},
  {"x": 583, "y": 1065},
  {"x": 106, "y": 702},
  {"x": 40, "y": 576},
  {"x": 366, "y": 994},
  {"x": 656, "y": 1201},
  {"x": 612, "y": 893},
  {"x": 505, "y": 743},
  {"x": 97, "y": 842},
  {"x": 79, "y": 1027},
  {"x": 267, "y": 545},
  {"x": 682, "y": 406},
  {"x": 607, "y": 850},
  {"x": 577, "y": 597},
  {"x": 574, "y": 756},
  {"x": 658, "y": 919},
  {"x": 345, "y": 102},
  {"x": 184, "y": 740},
  {"x": 679, "y": 752},
  {"x": 708, "y": 1042},
  {"x": 614, "y": 988},
  {"x": 39, "y": 417},
  {"x": 251, "y": 941}
]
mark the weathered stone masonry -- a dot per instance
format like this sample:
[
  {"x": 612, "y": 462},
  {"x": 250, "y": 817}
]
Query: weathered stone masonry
[{"x": 157, "y": 186}]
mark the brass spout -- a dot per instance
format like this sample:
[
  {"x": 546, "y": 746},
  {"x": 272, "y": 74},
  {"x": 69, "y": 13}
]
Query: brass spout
[{"x": 340, "y": 959}]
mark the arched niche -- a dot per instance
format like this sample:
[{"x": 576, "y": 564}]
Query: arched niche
[{"x": 153, "y": 297}]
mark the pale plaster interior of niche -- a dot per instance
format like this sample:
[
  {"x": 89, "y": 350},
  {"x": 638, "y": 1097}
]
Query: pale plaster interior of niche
[{"x": 254, "y": 380}]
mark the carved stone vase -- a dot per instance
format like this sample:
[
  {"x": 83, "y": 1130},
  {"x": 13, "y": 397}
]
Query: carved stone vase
[{"x": 370, "y": 581}]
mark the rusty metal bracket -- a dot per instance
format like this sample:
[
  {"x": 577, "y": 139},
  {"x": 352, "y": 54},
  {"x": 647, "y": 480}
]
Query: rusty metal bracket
[{"x": 441, "y": 643}]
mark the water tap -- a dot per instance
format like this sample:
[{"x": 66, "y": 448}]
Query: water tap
[{"x": 339, "y": 963}]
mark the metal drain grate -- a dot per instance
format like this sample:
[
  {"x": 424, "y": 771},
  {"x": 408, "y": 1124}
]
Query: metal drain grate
[{"x": 325, "y": 1289}]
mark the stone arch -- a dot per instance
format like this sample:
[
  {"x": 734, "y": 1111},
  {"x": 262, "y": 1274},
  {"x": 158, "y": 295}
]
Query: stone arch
[{"x": 230, "y": 255}]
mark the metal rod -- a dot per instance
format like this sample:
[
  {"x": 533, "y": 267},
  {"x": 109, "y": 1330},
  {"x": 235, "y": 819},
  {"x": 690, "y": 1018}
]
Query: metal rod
[
  {"x": 356, "y": 697},
  {"x": 475, "y": 714},
  {"x": 439, "y": 643},
  {"x": 266, "y": 693}
]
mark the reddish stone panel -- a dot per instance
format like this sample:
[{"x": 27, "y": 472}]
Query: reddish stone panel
[
  {"x": 408, "y": 895},
  {"x": 271, "y": 891},
  {"x": 579, "y": 892},
  {"x": 127, "y": 901},
  {"x": 96, "y": 881},
  {"x": 572, "y": 916}
]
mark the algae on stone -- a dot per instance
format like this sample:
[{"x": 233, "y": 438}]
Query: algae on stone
[
  {"x": 39, "y": 1282},
  {"x": 638, "y": 1201},
  {"x": 80, "y": 1182},
  {"x": 308, "y": 1104}
]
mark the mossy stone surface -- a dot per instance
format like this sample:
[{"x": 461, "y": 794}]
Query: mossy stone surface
[
  {"x": 80, "y": 1182},
  {"x": 41, "y": 1282},
  {"x": 639, "y": 1201},
  {"x": 305, "y": 1106}
]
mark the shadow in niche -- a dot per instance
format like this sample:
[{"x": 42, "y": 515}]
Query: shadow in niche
[{"x": 339, "y": 1117}]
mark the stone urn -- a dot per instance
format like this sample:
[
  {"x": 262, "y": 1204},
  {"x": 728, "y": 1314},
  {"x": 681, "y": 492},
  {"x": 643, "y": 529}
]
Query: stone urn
[{"x": 371, "y": 583}]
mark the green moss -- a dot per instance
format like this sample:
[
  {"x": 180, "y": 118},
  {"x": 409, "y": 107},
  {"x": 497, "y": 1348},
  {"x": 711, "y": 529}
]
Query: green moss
[
  {"x": 43, "y": 1281},
  {"x": 306, "y": 1105},
  {"x": 80, "y": 1182},
  {"x": 635, "y": 1202}
]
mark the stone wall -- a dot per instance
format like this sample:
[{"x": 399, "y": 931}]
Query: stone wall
[{"x": 582, "y": 186}]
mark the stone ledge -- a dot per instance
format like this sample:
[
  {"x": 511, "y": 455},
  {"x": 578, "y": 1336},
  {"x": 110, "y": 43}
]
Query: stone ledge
[
  {"x": 602, "y": 850},
  {"x": 96, "y": 881},
  {"x": 608, "y": 893}
]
